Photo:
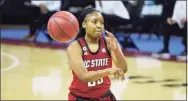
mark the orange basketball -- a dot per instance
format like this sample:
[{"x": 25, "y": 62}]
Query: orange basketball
[{"x": 63, "y": 26}]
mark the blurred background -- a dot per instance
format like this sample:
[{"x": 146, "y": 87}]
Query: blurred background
[
  {"x": 143, "y": 25},
  {"x": 156, "y": 29}
]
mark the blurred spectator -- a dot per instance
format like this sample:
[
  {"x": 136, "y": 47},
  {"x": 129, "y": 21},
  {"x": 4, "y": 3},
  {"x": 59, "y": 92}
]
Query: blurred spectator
[
  {"x": 47, "y": 9},
  {"x": 11, "y": 10},
  {"x": 114, "y": 12},
  {"x": 150, "y": 17},
  {"x": 175, "y": 20},
  {"x": 77, "y": 6}
]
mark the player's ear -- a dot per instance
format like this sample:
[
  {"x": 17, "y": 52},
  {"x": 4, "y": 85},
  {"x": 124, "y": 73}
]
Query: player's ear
[{"x": 84, "y": 25}]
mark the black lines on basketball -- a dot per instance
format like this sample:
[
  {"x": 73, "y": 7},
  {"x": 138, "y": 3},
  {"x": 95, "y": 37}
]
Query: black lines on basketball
[
  {"x": 69, "y": 22},
  {"x": 52, "y": 35},
  {"x": 62, "y": 34}
]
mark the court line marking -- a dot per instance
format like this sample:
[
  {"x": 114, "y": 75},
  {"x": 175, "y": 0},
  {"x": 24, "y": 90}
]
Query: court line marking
[{"x": 14, "y": 58}]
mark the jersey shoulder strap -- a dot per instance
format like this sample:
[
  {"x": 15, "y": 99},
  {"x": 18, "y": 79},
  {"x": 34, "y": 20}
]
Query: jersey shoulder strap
[
  {"x": 104, "y": 44},
  {"x": 82, "y": 45}
]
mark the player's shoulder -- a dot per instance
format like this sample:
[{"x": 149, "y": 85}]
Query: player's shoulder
[{"x": 74, "y": 46}]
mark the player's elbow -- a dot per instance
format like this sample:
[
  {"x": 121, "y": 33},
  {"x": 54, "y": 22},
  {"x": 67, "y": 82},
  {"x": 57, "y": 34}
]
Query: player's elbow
[
  {"x": 125, "y": 69},
  {"x": 84, "y": 80}
]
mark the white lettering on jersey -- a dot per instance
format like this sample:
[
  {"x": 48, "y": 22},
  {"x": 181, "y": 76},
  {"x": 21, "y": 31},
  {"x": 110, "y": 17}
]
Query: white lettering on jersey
[
  {"x": 92, "y": 63},
  {"x": 86, "y": 63},
  {"x": 100, "y": 62},
  {"x": 106, "y": 61},
  {"x": 96, "y": 62}
]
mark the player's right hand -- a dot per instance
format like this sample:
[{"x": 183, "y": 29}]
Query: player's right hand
[{"x": 117, "y": 72}]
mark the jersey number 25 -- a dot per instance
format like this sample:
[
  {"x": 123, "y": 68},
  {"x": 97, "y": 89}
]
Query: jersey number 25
[{"x": 94, "y": 83}]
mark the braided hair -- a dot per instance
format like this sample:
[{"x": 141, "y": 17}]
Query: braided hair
[{"x": 87, "y": 11}]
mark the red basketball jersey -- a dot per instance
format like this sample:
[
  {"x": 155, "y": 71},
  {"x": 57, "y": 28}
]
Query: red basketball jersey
[{"x": 93, "y": 61}]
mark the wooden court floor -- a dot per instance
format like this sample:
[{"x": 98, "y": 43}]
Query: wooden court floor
[{"x": 30, "y": 73}]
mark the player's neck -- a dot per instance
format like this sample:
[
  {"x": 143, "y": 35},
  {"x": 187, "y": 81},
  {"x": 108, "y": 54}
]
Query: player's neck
[{"x": 91, "y": 40}]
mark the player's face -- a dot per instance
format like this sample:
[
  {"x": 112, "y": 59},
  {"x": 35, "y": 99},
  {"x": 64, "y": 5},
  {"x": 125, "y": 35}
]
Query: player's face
[{"x": 94, "y": 24}]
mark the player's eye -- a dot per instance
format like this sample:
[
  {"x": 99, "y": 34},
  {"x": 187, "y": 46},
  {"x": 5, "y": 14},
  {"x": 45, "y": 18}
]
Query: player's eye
[
  {"x": 94, "y": 22},
  {"x": 102, "y": 22}
]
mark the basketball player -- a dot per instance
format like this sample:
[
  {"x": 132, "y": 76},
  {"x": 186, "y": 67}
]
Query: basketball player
[{"x": 90, "y": 58}]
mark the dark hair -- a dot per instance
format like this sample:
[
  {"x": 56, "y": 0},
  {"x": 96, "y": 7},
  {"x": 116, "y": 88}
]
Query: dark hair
[{"x": 81, "y": 18}]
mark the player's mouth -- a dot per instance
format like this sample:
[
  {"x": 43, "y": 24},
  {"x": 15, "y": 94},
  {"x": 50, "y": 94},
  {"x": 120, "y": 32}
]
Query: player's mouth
[{"x": 98, "y": 31}]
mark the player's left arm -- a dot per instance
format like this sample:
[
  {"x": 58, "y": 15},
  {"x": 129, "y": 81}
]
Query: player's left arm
[{"x": 116, "y": 52}]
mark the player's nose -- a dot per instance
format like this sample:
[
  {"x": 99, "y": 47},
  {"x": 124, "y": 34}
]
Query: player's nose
[{"x": 98, "y": 25}]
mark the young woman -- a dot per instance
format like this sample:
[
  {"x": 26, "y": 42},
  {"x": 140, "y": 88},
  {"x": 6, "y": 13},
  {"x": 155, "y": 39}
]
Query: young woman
[{"x": 90, "y": 58}]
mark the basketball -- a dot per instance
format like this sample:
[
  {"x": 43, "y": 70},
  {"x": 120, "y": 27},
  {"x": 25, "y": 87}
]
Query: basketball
[{"x": 63, "y": 26}]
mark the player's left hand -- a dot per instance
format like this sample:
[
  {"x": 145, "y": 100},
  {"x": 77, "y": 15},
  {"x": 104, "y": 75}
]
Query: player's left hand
[
  {"x": 118, "y": 75},
  {"x": 111, "y": 41}
]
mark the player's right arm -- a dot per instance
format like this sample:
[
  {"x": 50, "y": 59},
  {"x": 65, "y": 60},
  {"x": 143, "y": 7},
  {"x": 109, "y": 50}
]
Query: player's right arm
[{"x": 76, "y": 63}]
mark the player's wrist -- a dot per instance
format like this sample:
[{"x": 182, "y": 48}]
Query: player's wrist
[{"x": 109, "y": 71}]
